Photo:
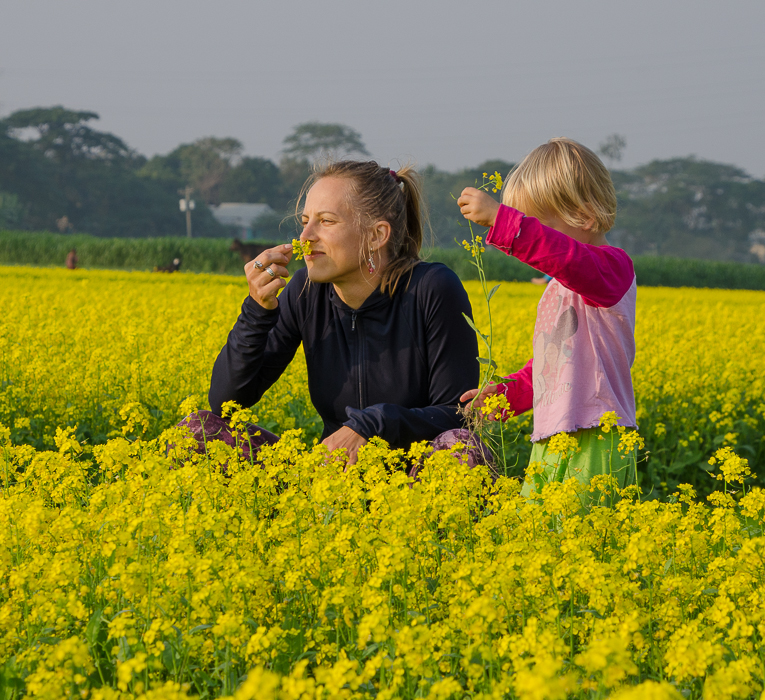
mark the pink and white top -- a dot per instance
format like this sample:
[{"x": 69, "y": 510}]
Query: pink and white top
[{"x": 584, "y": 336}]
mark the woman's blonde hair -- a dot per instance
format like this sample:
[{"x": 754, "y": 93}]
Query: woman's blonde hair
[
  {"x": 380, "y": 194},
  {"x": 565, "y": 179}
]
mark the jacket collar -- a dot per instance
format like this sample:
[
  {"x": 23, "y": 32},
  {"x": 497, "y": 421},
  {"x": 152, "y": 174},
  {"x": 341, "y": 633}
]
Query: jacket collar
[{"x": 375, "y": 300}]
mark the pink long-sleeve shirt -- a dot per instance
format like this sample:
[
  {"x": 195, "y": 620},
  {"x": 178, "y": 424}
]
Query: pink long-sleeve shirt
[{"x": 584, "y": 336}]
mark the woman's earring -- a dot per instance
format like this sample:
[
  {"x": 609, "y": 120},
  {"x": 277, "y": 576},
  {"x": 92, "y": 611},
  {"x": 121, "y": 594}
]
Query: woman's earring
[{"x": 372, "y": 266}]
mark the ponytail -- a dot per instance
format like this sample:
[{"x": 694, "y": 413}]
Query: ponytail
[{"x": 404, "y": 248}]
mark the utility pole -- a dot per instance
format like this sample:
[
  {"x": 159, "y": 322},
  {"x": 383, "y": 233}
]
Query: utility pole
[{"x": 187, "y": 204}]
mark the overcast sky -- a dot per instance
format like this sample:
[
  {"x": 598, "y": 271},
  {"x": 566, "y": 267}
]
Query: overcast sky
[{"x": 435, "y": 81}]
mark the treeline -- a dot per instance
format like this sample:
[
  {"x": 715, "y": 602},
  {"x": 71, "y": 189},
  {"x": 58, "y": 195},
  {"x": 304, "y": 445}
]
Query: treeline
[
  {"x": 686, "y": 207},
  {"x": 57, "y": 172},
  {"x": 216, "y": 256},
  {"x": 682, "y": 207}
]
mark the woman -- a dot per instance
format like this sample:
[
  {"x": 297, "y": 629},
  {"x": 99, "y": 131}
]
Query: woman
[{"x": 387, "y": 348}]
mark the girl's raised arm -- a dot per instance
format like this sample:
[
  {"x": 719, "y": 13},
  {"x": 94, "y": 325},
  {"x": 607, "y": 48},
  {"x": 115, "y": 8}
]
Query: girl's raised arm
[{"x": 600, "y": 274}]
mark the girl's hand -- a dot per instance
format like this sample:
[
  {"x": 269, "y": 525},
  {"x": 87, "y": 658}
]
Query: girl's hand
[
  {"x": 265, "y": 274},
  {"x": 347, "y": 438},
  {"x": 470, "y": 395},
  {"x": 478, "y": 207}
]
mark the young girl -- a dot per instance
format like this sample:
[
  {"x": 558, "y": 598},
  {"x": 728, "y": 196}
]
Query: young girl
[{"x": 584, "y": 342}]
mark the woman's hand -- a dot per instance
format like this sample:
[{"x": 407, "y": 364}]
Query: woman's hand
[
  {"x": 470, "y": 395},
  {"x": 265, "y": 274},
  {"x": 478, "y": 207},
  {"x": 347, "y": 438}
]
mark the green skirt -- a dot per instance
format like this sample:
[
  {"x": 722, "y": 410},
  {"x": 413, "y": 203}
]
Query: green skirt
[{"x": 598, "y": 454}]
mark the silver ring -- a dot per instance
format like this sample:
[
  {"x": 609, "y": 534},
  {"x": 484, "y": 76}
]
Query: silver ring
[
  {"x": 270, "y": 272},
  {"x": 258, "y": 264}
]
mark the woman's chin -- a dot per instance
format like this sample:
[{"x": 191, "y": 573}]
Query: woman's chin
[{"x": 317, "y": 275}]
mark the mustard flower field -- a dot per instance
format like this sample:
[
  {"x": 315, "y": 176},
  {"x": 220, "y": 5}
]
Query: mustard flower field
[{"x": 130, "y": 570}]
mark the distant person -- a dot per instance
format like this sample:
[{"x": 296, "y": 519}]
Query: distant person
[
  {"x": 71, "y": 259},
  {"x": 584, "y": 342},
  {"x": 174, "y": 266}
]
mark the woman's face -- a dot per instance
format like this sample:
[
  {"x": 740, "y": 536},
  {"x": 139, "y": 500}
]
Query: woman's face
[{"x": 328, "y": 223}]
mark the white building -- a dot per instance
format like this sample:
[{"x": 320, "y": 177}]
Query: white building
[{"x": 240, "y": 215}]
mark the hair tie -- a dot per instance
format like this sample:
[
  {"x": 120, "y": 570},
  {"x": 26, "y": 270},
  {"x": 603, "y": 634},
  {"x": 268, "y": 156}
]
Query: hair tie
[{"x": 395, "y": 176}]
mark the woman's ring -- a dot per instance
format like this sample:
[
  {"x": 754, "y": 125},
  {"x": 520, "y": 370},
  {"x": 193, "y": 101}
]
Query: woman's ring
[
  {"x": 258, "y": 264},
  {"x": 270, "y": 272}
]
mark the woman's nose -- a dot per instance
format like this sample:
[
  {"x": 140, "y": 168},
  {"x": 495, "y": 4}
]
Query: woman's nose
[{"x": 308, "y": 232}]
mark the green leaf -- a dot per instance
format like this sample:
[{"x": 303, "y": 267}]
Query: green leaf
[
  {"x": 199, "y": 628},
  {"x": 484, "y": 361},
  {"x": 473, "y": 326},
  {"x": 491, "y": 293},
  {"x": 91, "y": 631},
  {"x": 470, "y": 322},
  {"x": 170, "y": 658}
]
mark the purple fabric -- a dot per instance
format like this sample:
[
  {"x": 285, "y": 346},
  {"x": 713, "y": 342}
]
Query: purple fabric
[
  {"x": 206, "y": 427},
  {"x": 474, "y": 448}
]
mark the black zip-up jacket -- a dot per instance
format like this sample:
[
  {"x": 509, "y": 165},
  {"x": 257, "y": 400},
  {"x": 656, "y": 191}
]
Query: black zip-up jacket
[{"x": 395, "y": 367}]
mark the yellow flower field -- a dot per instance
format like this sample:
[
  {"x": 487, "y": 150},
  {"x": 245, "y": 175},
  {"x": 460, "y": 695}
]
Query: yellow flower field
[
  {"x": 83, "y": 348},
  {"x": 127, "y": 571}
]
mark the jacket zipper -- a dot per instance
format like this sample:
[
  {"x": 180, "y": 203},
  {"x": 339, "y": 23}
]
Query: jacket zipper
[{"x": 360, "y": 360}]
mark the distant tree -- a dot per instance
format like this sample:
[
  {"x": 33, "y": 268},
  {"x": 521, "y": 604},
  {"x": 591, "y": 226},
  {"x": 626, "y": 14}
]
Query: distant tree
[
  {"x": 165, "y": 169},
  {"x": 30, "y": 176},
  {"x": 314, "y": 140},
  {"x": 690, "y": 208},
  {"x": 64, "y": 135},
  {"x": 293, "y": 172},
  {"x": 612, "y": 149},
  {"x": 253, "y": 180},
  {"x": 441, "y": 189},
  {"x": 12, "y": 211},
  {"x": 205, "y": 163},
  {"x": 63, "y": 161},
  {"x": 61, "y": 168}
]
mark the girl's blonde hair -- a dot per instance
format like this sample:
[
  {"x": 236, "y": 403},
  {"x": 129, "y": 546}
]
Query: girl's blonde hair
[
  {"x": 380, "y": 194},
  {"x": 565, "y": 179}
]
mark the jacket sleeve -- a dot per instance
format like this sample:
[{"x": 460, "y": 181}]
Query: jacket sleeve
[
  {"x": 520, "y": 391},
  {"x": 601, "y": 275},
  {"x": 450, "y": 354},
  {"x": 259, "y": 347}
]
